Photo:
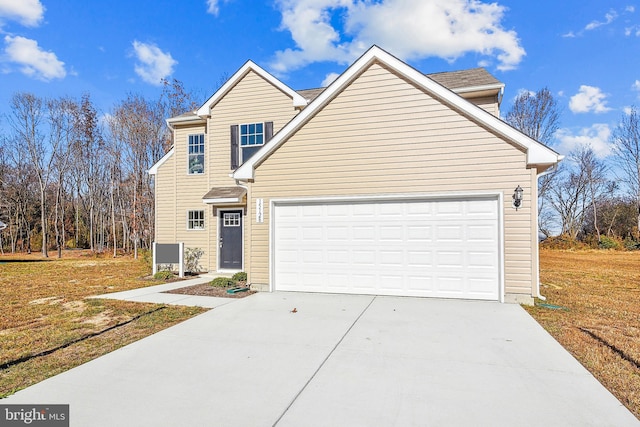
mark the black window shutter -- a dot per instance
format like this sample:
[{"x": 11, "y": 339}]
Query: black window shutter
[
  {"x": 268, "y": 131},
  {"x": 234, "y": 146}
]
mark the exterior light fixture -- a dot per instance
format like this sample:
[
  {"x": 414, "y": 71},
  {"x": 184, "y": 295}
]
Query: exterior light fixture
[{"x": 517, "y": 197}]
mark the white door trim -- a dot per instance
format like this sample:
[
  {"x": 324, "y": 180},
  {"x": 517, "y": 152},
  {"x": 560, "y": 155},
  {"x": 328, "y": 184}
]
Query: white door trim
[
  {"x": 497, "y": 195},
  {"x": 219, "y": 212}
]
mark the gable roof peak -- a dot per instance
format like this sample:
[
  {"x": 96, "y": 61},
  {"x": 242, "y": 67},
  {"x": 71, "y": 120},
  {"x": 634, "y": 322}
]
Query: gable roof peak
[
  {"x": 249, "y": 66},
  {"x": 537, "y": 153}
]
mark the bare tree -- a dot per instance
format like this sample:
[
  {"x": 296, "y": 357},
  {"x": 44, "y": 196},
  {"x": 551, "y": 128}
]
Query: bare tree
[
  {"x": 537, "y": 115},
  {"x": 595, "y": 174},
  {"x": 626, "y": 148},
  {"x": 28, "y": 113},
  {"x": 579, "y": 187}
]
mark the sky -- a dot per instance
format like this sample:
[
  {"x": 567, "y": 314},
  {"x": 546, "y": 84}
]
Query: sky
[{"x": 586, "y": 52}]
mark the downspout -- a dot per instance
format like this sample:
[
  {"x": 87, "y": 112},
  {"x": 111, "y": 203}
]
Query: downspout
[
  {"x": 538, "y": 294},
  {"x": 246, "y": 257}
]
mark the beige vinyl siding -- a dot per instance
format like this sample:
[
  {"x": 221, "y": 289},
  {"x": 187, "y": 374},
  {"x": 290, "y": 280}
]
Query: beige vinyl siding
[
  {"x": 252, "y": 100},
  {"x": 187, "y": 194},
  {"x": 488, "y": 103},
  {"x": 165, "y": 202},
  {"x": 382, "y": 135}
]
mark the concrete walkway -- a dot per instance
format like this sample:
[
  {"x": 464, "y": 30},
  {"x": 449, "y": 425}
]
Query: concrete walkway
[
  {"x": 155, "y": 294},
  {"x": 338, "y": 360}
]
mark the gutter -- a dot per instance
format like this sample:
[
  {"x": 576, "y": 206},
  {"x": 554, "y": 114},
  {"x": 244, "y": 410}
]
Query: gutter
[{"x": 547, "y": 172}]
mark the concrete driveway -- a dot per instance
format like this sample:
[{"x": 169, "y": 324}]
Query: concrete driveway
[{"x": 338, "y": 361}]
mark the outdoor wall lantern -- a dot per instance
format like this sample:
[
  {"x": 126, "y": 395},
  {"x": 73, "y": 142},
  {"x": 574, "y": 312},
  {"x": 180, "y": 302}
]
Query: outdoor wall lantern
[{"x": 517, "y": 197}]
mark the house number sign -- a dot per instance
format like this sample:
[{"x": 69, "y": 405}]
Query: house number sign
[{"x": 259, "y": 211}]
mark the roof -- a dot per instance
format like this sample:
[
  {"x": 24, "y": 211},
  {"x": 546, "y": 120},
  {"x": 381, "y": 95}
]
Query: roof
[
  {"x": 457, "y": 81},
  {"x": 475, "y": 77},
  {"x": 537, "y": 153},
  {"x": 311, "y": 94},
  {"x": 224, "y": 195}
]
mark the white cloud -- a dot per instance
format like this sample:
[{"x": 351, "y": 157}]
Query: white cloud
[
  {"x": 428, "y": 28},
  {"x": 27, "y": 12},
  {"x": 627, "y": 110},
  {"x": 609, "y": 17},
  {"x": 589, "y": 99},
  {"x": 329, "y": 78},
  {"x": 636, "y": 85},
  {"x": 596, "y": 137},
  {"x": 154, "y": 65},
  {"x": 213, "y": 6},
  {"x": 33, "y": 61},
  {"x": 630, "y": 9}
]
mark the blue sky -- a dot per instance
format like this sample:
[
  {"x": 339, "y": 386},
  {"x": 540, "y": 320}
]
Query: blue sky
[{"x": 586, "y": 52}]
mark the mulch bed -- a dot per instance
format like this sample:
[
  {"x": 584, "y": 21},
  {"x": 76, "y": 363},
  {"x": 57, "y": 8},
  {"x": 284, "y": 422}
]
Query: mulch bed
[{"x": 206, "y": 290}]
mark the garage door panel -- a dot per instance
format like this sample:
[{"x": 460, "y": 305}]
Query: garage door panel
[{"x": 437, "y": 248}]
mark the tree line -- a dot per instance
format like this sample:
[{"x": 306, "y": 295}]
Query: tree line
[
  {"x": 585, "y": 198},
  {"x": 71, "y": 177}
]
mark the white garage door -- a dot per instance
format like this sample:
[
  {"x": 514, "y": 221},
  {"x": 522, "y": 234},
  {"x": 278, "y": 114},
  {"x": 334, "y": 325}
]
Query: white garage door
[{"x": 445, "y": 248}]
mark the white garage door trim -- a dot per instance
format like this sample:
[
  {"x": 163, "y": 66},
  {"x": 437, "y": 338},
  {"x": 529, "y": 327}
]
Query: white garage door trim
[{"x": 493, "y": 196}]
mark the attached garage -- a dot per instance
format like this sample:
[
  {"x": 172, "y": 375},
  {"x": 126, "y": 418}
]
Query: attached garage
[{"x": 428, "y": 247}]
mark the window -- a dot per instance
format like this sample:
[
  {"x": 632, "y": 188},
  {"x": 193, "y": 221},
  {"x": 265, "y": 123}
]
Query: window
[
  {"x": 196, "y": 220},
  {"x": 196, "y": 154},
  {"x": 251, "y": 139},
  {"x": 231, "y": 219},
  {"x": 247, "y": 139}
]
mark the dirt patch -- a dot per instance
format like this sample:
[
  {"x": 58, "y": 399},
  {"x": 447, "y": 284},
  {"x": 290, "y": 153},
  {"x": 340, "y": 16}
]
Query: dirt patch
[
  {"x": 100, "y": 319},
  {"x": 47, "y": 300},
  {"x": 75, "y": 306},
  {"x": 206, "y": 290}
]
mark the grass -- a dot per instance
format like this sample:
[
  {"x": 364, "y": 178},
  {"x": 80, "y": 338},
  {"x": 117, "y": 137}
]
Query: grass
[
  {"x": 601, "y": 324},
  {"x": 43, "y": 306}
]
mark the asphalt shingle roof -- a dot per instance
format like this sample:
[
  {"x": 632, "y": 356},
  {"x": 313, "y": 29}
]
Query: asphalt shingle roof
[{"x": 450, "y": 79}]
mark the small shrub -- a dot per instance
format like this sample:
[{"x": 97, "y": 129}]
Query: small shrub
[
  {"x": 223, "y": 282},
  {"x": 631, "y": 244},
  {"x": 608, "y": 243},
  {"x": 163, "y": 275},
  {"x": 241, "y": 276},
  {"x": 192, "y": 259}
]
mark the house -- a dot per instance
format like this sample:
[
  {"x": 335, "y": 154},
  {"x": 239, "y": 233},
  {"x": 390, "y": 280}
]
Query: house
[{"x": 386, "y": 182}]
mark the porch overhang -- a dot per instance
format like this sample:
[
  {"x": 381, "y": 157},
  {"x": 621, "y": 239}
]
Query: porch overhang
[{"x": 219, "y": 196}]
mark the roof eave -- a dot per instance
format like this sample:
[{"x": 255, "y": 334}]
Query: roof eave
[
  {"x": 154, "y": 169},
  {"x": 497, "y": 87}
]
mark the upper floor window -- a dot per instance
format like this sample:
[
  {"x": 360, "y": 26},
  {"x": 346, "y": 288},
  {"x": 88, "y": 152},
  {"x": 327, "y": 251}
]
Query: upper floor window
[
  {"x": 247, "y": 139},
  {"x": 251, "y": 139},
  {"x": 196, "y": 154}
]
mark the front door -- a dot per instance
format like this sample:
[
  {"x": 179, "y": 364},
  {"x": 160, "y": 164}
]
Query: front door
[{"x": 230, "y": 241}]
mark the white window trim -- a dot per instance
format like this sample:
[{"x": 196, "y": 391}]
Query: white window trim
[
  {"x": 240, "y": 146},
  {"x": 204, "y": 149},
  {"x": 204, "y": 221}
]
